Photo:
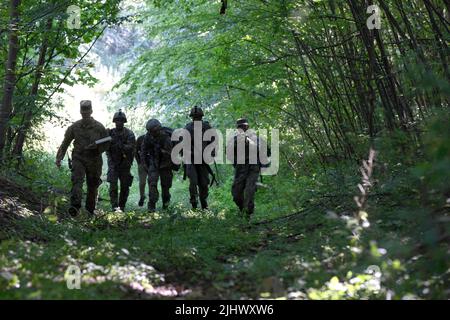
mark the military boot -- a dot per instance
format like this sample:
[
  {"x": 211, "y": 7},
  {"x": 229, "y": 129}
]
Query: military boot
[
  {"x": 204, "y": 204},
  {"x": 141, "y": 202},
  {"x": 245, "y": 214},
  {"x": 122, "y": 206},
  {"x": 123, "y": 198},
  {"x": 113, "y": 196},
  {"x": 151, "y": 207},
  {"x": 114, "y": 204}
]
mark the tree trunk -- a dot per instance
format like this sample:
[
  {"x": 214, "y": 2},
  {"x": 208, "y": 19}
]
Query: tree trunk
[
  {"x": 18, "y": 147},
  {"x": 10, "y": 73}
]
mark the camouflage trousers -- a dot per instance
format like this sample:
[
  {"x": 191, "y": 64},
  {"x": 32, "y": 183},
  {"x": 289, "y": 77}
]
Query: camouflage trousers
[
  {"x": 142, "y": 180},
  {"x": 198, "y": 183},
  {"x": 244, "y": 186},
  {"x": 115, "y": 175},
  {"x": 166, "y": 177},
  {"x": 89, "y": 168}
]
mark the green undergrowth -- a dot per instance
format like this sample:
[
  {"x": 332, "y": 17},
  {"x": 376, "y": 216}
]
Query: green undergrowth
[{"x": 300, "y": 244}]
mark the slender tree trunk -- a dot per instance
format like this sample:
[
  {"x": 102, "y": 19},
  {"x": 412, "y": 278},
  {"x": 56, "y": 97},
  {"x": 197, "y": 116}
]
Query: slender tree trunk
[
  {"x": 10, "y": 73},
  {"x": 440, "y": 40},
  {"x": 18, "y": 148},
  {"x": 375, "y": 69}
]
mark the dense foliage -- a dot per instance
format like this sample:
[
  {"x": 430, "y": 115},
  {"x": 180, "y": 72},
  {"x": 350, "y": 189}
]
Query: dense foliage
[
  {"x": 311, "y": 68},
  {"x": 327, "y": 226},
  {"x": 43, "y": 49}
]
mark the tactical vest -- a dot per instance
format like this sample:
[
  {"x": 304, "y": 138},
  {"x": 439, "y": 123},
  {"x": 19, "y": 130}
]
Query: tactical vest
[
  {"x": 190, "y": 127},
  {"x": 117, "y": 154}
]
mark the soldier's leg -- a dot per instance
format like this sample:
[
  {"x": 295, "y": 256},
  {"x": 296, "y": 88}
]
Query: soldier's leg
[
  {"x": 78, "y": 175},
  {"x": 203, "y": 185},
  {"x": 237, "y": 189},
  {"x": 93, "y": 174},
  {"x": 191, "y": 172},
  {"x": 142, "y": 184},
  {"x": 153, "y": 194},
  {"x": 113, "y": 179},
  {"x": 166, "y": 176},
  {"x": 250, "y": 189},
  {"x": 126, "y": 180}
]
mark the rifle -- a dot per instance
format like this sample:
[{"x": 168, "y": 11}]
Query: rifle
[
  {"x": 217, "y": 172},
  {"x": 103, "y": 140},
  {"x": 94, "y": 145},
  {"x": 208, "y": 168},
  {"x": 212, "y": 174}
]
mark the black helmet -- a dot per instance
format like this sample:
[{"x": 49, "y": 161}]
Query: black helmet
[
  {"x": 153, "y": 124},
  {"x": 120, "y": 116},
  {"x": 196, "y": 112},
  {"x": 242, "y": 122}
]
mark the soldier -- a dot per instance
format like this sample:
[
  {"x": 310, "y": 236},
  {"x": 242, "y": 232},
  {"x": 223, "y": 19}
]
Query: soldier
[
  {"x": 120, "y": 158},
  {"x": 141, "y": 169},
  {"x": 86, "y": 157},
  {"x": 156, "y": 157},
  {"x": 198, "y": 173},
  {"x": 247, "y": 162}
]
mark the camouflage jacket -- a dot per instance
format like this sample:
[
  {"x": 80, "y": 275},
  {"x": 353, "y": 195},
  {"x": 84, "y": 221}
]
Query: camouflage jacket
[
  {"x": 121, "y": 149},
  {"x": 156, "y": 151},
  {"x": 83, "y": 133},
  {"x": 247, "y": 148}
]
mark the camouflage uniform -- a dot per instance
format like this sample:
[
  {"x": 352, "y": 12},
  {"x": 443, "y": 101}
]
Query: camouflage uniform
[
  {"x": 198, "y": 174},
  {"x": 156, "y": 156},
  {"x": 120, "y": 159},
  {"x": 141, "y": 169},
  {"x": 86, "y": 163},
  {"x": 244, "y": 186},
  {"x": 246, "y": 174}
]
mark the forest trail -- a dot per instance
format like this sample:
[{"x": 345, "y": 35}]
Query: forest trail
[
  {"x": 309, "y": 249},
  {"x": 176, "y": 253}
]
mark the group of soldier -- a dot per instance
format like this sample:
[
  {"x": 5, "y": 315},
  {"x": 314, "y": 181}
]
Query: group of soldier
[{"x": 152, "y": 152}]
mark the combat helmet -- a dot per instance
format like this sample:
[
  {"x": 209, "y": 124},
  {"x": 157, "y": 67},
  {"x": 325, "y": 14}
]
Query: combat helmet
[
  {"x": 196, "y": 112},
  {"x": 242, "y": 122},
  {"x": 153, "y": 124},
  {"x": 120, "y": 116}
]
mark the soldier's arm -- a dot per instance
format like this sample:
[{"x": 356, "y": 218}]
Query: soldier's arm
[
  {"x": 166, "y": 147},
  {"x": 130, "y": 144},
  {"x": 68, "y": 138}
]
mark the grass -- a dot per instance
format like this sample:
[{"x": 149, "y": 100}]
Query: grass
[{"x": 299, "y": 245}]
